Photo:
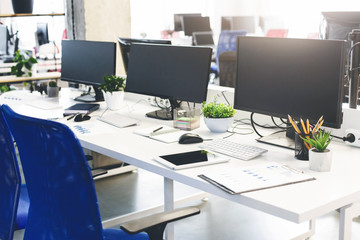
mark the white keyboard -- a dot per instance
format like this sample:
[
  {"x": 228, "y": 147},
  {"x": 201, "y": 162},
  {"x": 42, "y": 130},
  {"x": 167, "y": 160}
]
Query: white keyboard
[
  {"x": 233, "y": 149},
  {"x": 119, "y": 120}
]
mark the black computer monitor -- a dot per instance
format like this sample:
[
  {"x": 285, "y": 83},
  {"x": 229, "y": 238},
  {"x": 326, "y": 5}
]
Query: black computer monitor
[
  {"x": 87, "y": 62},
  {"x": 300, "y": 77},
  {"x": 42, "y": 34},
  {"x": 125, "y": 44},
  {"x": 177, "y": 73},
  {"x": 238, "y": 23},
  {"x": 203, "y": 39},
  {"x": 195, "y": 24},
  {"x": 4, "y": 40},
  {"x": 178, "y": 19}
]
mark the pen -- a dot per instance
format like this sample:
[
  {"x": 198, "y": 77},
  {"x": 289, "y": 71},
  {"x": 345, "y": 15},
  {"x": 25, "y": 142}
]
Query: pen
[
  {"x": 71, "y": 117},
  {"x": 157, "y": 129},
  {"x": 317, "y": 124},
  {"x": 293, "y": 124},
  {"x": 303, "y": 125},
  {"x": 307, "y": 126}
]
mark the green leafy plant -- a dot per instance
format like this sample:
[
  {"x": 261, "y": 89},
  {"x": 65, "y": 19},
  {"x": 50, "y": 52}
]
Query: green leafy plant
[
  {"x": 23, "y": 59},
  {"x": 4, "y": 88},
  {"x": 217, "y": 110},
  {"x": 52, "y": 84},
  {"x": 320, "y": 140},
  {"x": 113, "y": 83}
]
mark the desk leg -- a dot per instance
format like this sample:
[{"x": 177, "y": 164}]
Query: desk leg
[
  {"x": 307, "y": 234},
  {"x": 169, "y": 205},
  {"x": 347, "y": 213}
]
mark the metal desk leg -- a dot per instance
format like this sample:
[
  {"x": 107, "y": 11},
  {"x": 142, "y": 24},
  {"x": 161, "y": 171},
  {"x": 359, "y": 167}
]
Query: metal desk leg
[
  {"x": 307, "y": 234},
  {"x": 347, "y": 213},
  {"x": 169, "y": 205}
]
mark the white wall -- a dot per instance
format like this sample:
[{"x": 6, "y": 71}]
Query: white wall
[{"x": 301, "y": 17}]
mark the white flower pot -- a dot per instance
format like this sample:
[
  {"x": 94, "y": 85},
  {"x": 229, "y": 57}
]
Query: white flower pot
[
  {"x": 52, "y": 91},
  {"x": 218, "y": 125},
  {"x": 320, "y": 161},
  {"x": 114, "y": 100}
]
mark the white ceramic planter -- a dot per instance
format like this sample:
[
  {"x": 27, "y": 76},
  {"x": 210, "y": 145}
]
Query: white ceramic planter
[
  {"x": 218, "y": 125},
  {"x": 320, "y": 161},
  {"x": 114, "y": 100},
  {"x": 53, "y": 91}
]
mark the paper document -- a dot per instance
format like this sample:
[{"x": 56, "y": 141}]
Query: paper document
[
  {"x": 161, "y": 133},
  {"x": 257, "y": 177}
]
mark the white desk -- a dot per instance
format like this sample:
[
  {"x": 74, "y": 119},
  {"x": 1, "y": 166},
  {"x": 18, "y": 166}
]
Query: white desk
[{"x": 338, "y": 189}]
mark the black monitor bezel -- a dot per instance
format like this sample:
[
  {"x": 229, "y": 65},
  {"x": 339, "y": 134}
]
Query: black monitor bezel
[
  {"x": 171, "y": 98},
  {"x": 178, "y": 19},
  {"x": 190, "y": 19},
  {"x": 339, "y": 114},
  {"x": 82, "y": 81},
  {"x": 125, "y": 44}
]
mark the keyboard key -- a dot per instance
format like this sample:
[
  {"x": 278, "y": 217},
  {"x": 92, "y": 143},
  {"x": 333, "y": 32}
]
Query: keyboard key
[{"x": 233, "y": 149}]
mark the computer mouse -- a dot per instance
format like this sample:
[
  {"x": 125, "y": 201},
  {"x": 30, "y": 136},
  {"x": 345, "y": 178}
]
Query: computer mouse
[
  {"x": 81, "y": 117},
  {"x": 190, "y": 138}
]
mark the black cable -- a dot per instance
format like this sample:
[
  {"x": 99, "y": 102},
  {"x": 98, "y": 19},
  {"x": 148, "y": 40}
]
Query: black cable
[
  {"x": 73, "y": 19},
  {"x": 278, "y": 126},
  {"x": 253, "y": 125},
  {"x": 225, "y": 97}
]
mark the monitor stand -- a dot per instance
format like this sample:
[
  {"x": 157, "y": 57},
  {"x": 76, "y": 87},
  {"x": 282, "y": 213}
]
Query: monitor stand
[
  {"x": 87, "y": 97},
  {"x": 278, "y": 139},
  {"x": 165, "y": 114}
]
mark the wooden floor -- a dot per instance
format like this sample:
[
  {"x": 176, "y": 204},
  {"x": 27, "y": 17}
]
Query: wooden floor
[{"x": 219, "y": 219}]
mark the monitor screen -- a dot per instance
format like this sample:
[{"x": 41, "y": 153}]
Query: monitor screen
[
  {"x": 3, "y": 40},
  {"x": 168, "y": 71},
  {"x": 178, "y": 19},
  {"x": 203, "y": 39},
  {"x": 195, "y": 24},
  {"x": 238, "y": 23},
  {"x": 87, "y": 62},
  {"x": 125, "y": 44},
  {"x": 42, "y": 34},
  {"x": 300, "y": 77}
]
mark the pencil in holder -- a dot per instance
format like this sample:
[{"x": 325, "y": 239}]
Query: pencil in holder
[{"x": 301, "y": 148}]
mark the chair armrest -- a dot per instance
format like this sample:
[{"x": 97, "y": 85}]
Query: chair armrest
[{"x": 155, "y": 224}]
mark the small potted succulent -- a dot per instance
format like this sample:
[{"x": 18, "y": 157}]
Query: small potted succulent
[
  {"x": 24, "y": 64},
  {"x": 218, "y": 117},
  {"x": 52, "y": 89},
  {"x": 320, "y": 157},
  {"x": 113, "y": 90}
]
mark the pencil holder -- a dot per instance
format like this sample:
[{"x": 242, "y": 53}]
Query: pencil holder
[
  {"x": 187, "y": 119},
  {"x": 301, "y": 150}
]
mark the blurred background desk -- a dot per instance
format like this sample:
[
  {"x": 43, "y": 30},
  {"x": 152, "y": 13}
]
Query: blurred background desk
[{"x": 38, "y": 76}]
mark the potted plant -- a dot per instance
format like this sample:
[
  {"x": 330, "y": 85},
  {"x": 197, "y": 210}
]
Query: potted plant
[
  {"x": 320, "y": 157},
  {"x": 24, "y": 63},
  {"x": 52, "y": 89},
  {"x": 113, "y": 90},
  {"x": 218, "y": 117}
]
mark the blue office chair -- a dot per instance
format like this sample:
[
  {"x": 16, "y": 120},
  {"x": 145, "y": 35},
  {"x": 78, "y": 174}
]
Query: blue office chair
[
  {"x": 61, "y": 189},
  {"x": 227, "y": 42},
  {"x": 14, "y": 200}
]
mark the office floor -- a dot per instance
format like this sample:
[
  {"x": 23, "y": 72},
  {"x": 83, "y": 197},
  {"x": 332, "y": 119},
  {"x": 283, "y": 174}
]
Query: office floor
[{"x": 219, "y": 219}]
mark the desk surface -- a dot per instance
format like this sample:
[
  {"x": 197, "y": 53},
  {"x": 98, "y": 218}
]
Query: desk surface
[{"x": 297, "y": 202}]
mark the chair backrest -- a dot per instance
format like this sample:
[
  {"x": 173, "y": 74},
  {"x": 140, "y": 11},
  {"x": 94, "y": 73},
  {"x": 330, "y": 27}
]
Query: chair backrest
[
  {"x": 279, "y": 33},
  {"x": 10, "y": 181},
  {"x": 61, "y": 189},
  {"x": 227, "y": 41},
  {"x": 227, "y": 68}
]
